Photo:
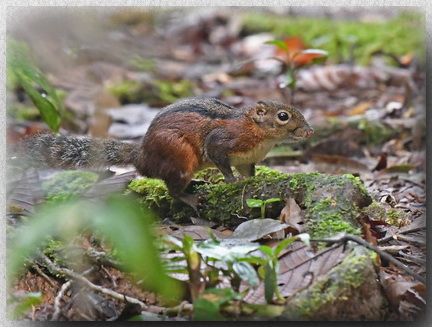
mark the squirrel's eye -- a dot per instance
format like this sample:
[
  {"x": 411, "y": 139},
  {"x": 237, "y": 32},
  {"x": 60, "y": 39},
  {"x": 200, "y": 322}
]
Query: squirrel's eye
[{"x": 283, "y": 116}]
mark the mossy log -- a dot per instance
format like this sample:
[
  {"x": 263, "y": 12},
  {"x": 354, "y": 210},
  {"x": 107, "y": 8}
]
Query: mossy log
[
  {"x": 331, "y": 202},
  {"x": 350, "y": 291}
]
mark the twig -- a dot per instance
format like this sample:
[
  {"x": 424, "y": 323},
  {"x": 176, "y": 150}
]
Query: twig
[
  {"x": 113, "y": 294},
  {"x": 60, "y": 295},
  {"x": 372, "y": 247},
  {"x": 394, "y": 237},
  {"x": 183, "y": 308},
  {"x": 44, "y": 276},
  {"x": 102, "y": 258}
]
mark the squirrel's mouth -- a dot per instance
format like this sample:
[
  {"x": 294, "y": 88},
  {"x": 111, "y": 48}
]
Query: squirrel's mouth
[
  {"x": 301, "y": 134},
  {"x": 297, "y": 138}
]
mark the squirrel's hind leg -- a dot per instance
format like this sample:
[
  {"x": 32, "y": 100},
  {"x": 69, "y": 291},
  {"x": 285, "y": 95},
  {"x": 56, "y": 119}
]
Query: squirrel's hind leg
[{"x": 190, "y": 199}]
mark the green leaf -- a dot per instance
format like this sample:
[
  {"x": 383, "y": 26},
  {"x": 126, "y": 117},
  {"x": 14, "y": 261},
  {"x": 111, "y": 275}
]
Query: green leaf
[
  {"x": 323, "y": 55},
  {"x": 246, "y": 272},
  {"x": 207, "y": 307},
  {"x": 269, "y": 282},
  {"x": 34, "y": 83},
  {"x": 254, "y": 203},
  {"x": 267, "y": 250},
  {"x": 315, "y": 51},
  {"x": 172, "y": 243},
  {"x": 261, "y": 271},
  {"x": 272, "y": 200},
  {"x": 188, "y": 244},
  {"x": 224, "y": 252},
  {"x": 283, "y": 244},
  {"x": 280, "y": 44},
  {"x": 254, "y": 260},
  {"x": 265, "y": 310},
  {"x": 206, "y": 310}
]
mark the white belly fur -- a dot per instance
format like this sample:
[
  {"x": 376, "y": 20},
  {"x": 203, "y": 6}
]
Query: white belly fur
[{"x": 253, "y": 156}]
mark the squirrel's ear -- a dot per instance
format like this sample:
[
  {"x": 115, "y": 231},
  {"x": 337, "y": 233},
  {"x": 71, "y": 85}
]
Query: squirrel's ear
[{"x": 260, "y": 111}]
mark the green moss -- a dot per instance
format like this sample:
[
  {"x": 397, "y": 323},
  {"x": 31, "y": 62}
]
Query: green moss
[
  {"x": 154, "y": 192},
  {"x": 52, "y": 249},
  {"x": 140, "y": 63},
  {"x": 169, "y": 91},
  {"x": 324, "y": 221},
  {"x": 212, "y": 175},
  {"x": 357, "y": 182},
  {"x": 223, "y": 200},
  {"x": 67, "y": 185},
  {"x": 376, "y": 133},
  {"x": 127, "y": 91},
  {"x": 155, "y": 196},
  {"x": 157, "y": 93},
  {"x": 265, "y": 172},
  {"x": 337, "y": 285},
  {"x": 397, "y": 218},
  {"x": 326, "y": 217},
  {"x": 378, "y": 212},
  {"x": 220, "y": 201},
  {"x": 375, "y": 211},
  {"x": 398, "y": 36}
]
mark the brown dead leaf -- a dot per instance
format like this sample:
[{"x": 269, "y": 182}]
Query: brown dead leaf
[
  {"x": 117, "y": 183},
  {"x": 292, "y": 215},
  {"x": 406, "y": 59},
  {"x": 408, "y": 297},
  {"x": 256, "y": 229},
  {"x": 25, "y": 193},
  {"x": 335, "y": 164},
  {"x": 344, "y": 143},
  {"x": 382, "y": 162},
  {"x": 359, "y": 109},
  {"x": 197, "y": 232}
]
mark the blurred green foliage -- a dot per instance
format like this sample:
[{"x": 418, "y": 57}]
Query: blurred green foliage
[
  {"x": 376, "y": 132},
  {"x": 404, "y": 34},
  {"x": 23, "y": 303},
  {"x": 120, "y": 220},
  {"x": 22, "y": 71},
  {"x": 170, "y": 91},
  {"x": 158, "y": 93},
  {"x": 142, "y": 64}
]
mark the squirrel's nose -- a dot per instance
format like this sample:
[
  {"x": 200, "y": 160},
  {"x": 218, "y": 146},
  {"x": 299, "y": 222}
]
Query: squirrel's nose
[{"x": 309, "y": 132}]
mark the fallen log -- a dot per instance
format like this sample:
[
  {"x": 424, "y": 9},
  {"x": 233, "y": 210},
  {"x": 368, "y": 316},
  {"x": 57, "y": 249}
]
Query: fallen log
[{"x": 331, "y": 203}]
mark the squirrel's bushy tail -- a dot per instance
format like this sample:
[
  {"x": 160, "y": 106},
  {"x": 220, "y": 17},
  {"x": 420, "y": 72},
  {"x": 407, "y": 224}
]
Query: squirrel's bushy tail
[{"x": 59, "y": 151}]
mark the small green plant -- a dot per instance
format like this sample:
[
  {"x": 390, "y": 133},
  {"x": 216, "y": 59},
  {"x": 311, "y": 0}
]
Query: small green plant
[
  {"x": 208, "y": 261},
  {"x": 293, "y": 55},
  {"x": 257, "y": 203},
  {"x": 269, "y": 268},
  {"x": 218, "y": 259}
]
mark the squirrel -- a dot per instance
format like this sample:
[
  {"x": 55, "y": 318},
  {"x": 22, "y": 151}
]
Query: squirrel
[{"x": 184, "y": 137}]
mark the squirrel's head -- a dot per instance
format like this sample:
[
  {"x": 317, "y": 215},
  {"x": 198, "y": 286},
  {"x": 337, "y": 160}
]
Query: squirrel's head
[{"x": 280, "y": 121}]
